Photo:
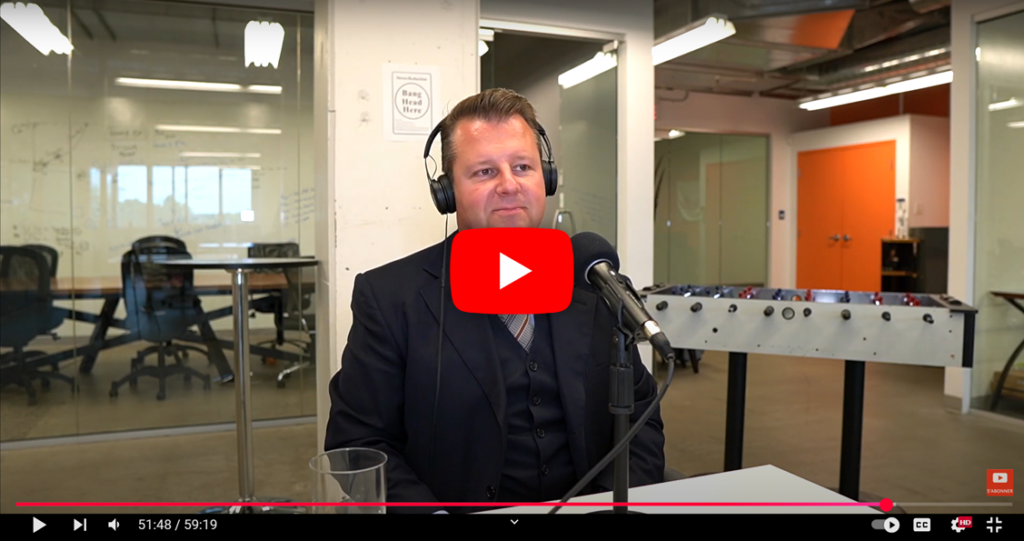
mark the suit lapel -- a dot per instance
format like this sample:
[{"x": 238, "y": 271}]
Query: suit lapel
[
  {"x": 571, "y": 332},
  {"x": 470, "y": 335}
]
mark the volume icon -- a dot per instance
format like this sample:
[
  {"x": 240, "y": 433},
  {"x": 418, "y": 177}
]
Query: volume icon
[{"x": 113, "y": 524}]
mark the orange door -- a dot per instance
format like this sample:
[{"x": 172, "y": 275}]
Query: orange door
[
  {"x": 819, "y": 220},
  {"x": 846, "y": 204},
  {"x": 869, "y": 212}
]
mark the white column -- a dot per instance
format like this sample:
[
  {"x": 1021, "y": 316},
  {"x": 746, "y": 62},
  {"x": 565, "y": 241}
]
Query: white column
[{"x": 372, "y": 200}]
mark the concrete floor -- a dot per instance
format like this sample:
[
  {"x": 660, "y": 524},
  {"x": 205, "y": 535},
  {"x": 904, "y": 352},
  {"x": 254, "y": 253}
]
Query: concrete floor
[
  {"x": 59, "y": 413},
  {"x": 913, "y": 451}
]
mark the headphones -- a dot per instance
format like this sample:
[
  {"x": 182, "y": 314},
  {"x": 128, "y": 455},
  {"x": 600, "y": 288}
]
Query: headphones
[{"x": 443, "y": 193}]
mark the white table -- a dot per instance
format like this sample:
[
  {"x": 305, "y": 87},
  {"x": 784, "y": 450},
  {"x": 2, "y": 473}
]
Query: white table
[{"x": 759, "y": 484}]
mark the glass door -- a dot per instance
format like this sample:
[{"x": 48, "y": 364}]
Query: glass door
[{"x": 711, "y": 209}]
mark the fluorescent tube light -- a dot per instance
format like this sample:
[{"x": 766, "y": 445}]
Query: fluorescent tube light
[
  {"x": 1017, "y": 124},
  {"x": 218, "y": 155},
  {"x": 601, "y": 63},
  {"x": 672, "y": 134},
  {"x": 486, "y": 34},
  {"x": 696, "y": 36},
  {"x": 196, "y": 85},
  {"x": 1008, "y": 104},
  {"x": 481, "y": 48},
  {"x": 263, "y": 42},
  {"x": 872, "y": 93},
  {"x": 264, "y": 89},
  {"x": 217, "y": 129},
  {"x": 33, "y": 25}
]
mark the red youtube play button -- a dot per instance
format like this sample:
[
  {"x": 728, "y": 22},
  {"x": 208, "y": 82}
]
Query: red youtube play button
[{"x": 515, "y": 270}]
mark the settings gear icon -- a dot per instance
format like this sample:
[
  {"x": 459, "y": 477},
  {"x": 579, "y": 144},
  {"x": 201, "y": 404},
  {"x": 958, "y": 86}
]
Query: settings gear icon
[{"x": 956, "y": 526}]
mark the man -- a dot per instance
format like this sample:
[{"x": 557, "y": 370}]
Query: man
[{"x": 522, "y": 412}]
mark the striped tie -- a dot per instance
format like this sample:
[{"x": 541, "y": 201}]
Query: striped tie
[{"x": 520, "y": 327}]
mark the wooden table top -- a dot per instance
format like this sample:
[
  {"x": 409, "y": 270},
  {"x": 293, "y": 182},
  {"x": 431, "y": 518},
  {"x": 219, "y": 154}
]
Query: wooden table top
[
  {"x": 204, "y": 284},
  {"x": 1008, "y": 294}
]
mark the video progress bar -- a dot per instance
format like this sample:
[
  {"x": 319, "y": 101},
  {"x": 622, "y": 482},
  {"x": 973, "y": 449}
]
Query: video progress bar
[{"x": 954, "y": 504}]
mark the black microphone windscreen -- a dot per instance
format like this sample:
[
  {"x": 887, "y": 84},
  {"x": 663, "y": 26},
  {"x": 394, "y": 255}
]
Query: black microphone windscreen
[{"x": 588, "y": 248}]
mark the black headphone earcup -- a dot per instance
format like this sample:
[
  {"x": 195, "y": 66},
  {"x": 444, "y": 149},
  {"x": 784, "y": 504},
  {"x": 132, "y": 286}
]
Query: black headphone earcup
[
  {"x": 443, "y": 195},
  {"x": 550, "y": 177}
]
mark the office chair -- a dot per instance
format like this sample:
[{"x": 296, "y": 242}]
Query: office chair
[
  {"x": 274, "y": 303},
  {"x": 52, "y": 256},
  {"x": 26, "y": 306},
  {"x": 161, "y": 304},
  {"x": 159, "y": 241},
  {"x": 300, "y": 315}
]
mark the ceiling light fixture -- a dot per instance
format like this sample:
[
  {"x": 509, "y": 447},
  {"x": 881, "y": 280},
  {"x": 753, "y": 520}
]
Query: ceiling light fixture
[
  {"x": 601, "y": 63},
  {"x": 845, "y": 97},
  {"x": 33, "y": 25},
  {"x": 481, "y": 48},
  {"x": 904, "y": 60},
  {"x": 1017, "y": 124},
  {"x": 263, "y": 42},
  {"x": 1008, "y": 104},
  {"x": 692, "y": 37},
  {"x": 672, "y": 134},
  {"x": 197, "y": 85},
  {"x": 217, "y": 129}
]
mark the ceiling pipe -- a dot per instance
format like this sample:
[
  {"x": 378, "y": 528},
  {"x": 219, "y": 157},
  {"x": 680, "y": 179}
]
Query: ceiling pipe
[{"x": 924, "y": 6}]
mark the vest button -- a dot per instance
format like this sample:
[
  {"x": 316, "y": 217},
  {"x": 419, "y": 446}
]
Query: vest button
[
  {"x": 540, "y": 432},
  {"x": 536, "y": 400},
  {"x": 491, "y": 493},
  {"x": 544, "y": 469},
  {"x": 533, "y": 366}
]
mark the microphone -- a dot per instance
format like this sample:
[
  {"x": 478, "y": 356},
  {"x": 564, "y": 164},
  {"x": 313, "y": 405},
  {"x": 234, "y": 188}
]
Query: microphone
[{"x": 597, "y": 264}]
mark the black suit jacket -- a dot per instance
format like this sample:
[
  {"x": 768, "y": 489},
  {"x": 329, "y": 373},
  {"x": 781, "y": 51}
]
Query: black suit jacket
[{"x": 383, "y": 396}]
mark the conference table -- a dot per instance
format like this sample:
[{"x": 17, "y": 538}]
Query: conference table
[
  {"x": 760, "y": 484},
  {"x": 1011, "y": 297},
  {"x": 109, "y": 290}
]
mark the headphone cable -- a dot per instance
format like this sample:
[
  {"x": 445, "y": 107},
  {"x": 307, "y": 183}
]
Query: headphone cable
[{"x": 440, "y": 342}]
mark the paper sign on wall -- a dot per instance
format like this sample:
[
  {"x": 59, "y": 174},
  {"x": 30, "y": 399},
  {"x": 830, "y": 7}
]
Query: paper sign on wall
[{"x": 410, "y": 101}]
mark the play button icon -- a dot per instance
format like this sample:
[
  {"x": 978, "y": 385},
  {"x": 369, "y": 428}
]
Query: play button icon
[
  {"x": 37, "y": 524},
  {"x": 509, "y": 270},
  {"x": 514, "y": 270}
]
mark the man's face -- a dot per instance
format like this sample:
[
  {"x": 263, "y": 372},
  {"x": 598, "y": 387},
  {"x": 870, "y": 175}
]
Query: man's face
[{"x": 497, "y": 174}]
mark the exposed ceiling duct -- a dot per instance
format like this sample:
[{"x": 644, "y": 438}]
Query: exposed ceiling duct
[
  {"x": 924, "y": 6},
  {"x": 795, "y": 49}
]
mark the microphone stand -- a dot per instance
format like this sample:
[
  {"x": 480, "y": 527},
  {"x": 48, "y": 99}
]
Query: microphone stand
[{"x": 620, "y": 404}]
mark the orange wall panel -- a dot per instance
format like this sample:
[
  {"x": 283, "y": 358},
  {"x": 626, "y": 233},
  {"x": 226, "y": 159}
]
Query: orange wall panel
[{"x": 933, "y": 101}]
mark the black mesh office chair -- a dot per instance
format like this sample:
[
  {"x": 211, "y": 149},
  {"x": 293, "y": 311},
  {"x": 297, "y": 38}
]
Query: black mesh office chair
[
  {"x": 161, "y": 304},
  {"x": 300, "y": 315},
  {"x": 157, "y": 241},
  {"x": 52, "y": 257},
  {"x": 274, "y": 303},
  {"x": 26, "y": 306}
]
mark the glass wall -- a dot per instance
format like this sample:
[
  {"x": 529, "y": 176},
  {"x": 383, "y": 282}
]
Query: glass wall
[
  {"x": 580, "y": 119},
  {"x": 711, "y": 209},
  {"x": 999, "y": 222},
  {"x": 127, "y": 120}
]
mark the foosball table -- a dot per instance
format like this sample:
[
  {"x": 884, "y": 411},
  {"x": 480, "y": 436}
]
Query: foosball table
[{"x": 857, "y": 327}]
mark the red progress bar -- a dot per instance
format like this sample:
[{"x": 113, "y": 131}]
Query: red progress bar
[{"x": 883, "y": 504}]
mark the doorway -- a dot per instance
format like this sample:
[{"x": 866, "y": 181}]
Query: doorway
[
  {"x": 846, "y": 205},
  {"x": 579, "y": 115},
  {"x": 711, "y": 209}
]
